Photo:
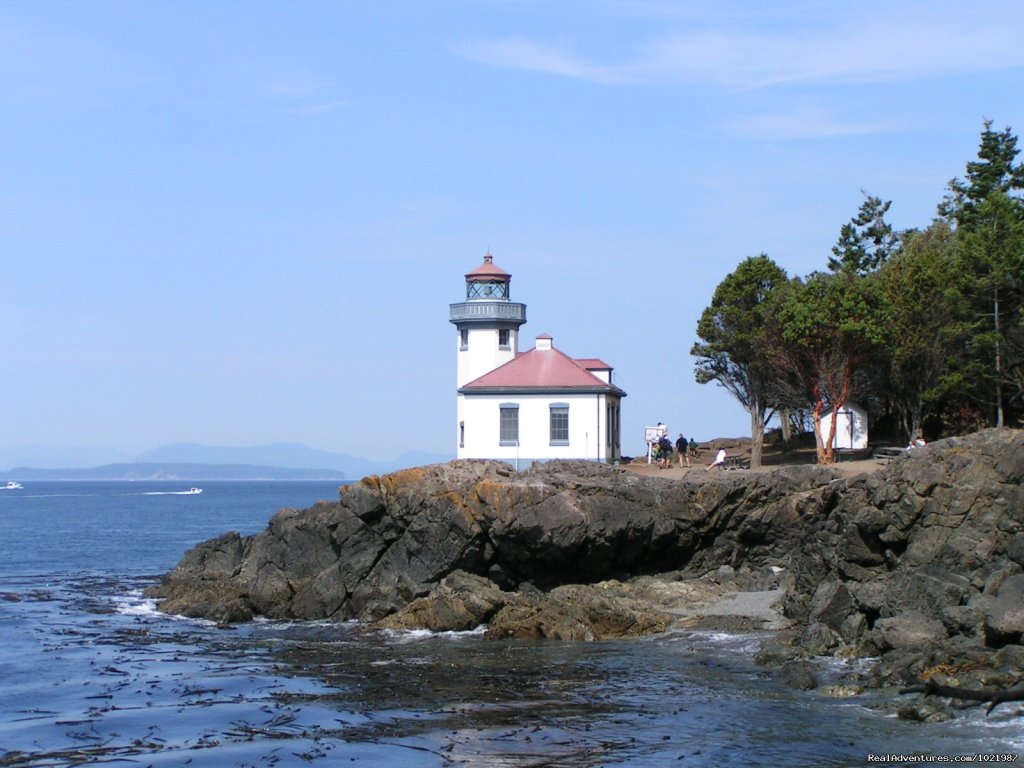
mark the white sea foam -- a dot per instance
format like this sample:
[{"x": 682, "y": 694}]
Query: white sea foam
[
  {"x": 416, "y": 635},
  {"x": 415, "y": 661},
  {"x": 281, "y": 625},
  {"x": 134, "y": 604},
  {"x": 742, "y": 643}
]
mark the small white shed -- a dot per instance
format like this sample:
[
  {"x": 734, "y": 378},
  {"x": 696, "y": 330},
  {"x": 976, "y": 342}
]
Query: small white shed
[{"x": 851, "y": 427}]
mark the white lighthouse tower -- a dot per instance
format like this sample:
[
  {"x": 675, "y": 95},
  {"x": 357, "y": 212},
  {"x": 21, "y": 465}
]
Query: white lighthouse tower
[
  {"x": 487, "y": 322},
  {"x": 488, "y": 329}
]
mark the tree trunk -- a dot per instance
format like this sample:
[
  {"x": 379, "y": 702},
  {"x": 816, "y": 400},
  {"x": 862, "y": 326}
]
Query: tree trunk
[
  {"x": 829, "y": 442},
  {"x": 999, "y": 359},
  {"x": 786, "y": 425},
  {"x": 756, "y": 434},
  {"x": 819, "y": 406},
  {"x": 916, "y": 419}
]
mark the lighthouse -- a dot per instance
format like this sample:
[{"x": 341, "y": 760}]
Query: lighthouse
[
  {"x": 487, "y": 322},
  {"x": 523, "y": 407}
]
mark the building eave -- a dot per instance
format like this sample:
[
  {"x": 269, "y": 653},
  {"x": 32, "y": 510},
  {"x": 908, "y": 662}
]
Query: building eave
[{"x": 527, "y": 390}]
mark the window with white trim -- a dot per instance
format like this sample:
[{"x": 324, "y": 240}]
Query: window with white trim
[
  {"x": 559, "y": 423},
  {"x": 508, "y": 424},
  {"x": 503, "y": 337}
]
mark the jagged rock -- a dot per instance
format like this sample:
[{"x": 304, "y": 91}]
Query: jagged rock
[
  {"x": 831, "y": 605},
  {"x": 819, "y": 639},
  {"x": 1004, "y": 621},
  {"x": 910, "y": 630},
  {"x": 921, "y": 560},
  {"x": 389, "y": 541},
  {"x": 460, "y": 602},
  {"x": 579, "y": 612},
  {"x": 798, "y": 675},
  {"x": 920, "y": 547}
]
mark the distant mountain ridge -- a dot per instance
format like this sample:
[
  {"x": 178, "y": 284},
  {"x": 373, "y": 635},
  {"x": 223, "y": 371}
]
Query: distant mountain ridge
[
  {"x": 281, "y": 456},
  {"x": 179, "y": 471}
]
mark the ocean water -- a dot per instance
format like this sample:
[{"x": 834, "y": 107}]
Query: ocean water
[{"x": 92, "y": 673}]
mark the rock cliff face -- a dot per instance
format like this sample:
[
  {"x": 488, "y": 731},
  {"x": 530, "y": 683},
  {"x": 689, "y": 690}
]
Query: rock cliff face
[
  {"x": 922, "y": 561},
  {"x": 390, "y": 540}
]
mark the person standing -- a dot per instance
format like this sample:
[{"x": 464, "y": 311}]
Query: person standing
[
  {"x": 664, "y": 452},
  {"x": 683, "y": 449}
]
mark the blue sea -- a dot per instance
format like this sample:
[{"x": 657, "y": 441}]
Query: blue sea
[{"x": 91, "y": 673}]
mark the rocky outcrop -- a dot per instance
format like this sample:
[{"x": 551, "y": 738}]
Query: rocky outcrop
[
  {"x": 921, "y": 562},
  {"x": 463, "y": 601},
  {"x": 390, "y": 540},
  {"x": 925, "y": 551}
]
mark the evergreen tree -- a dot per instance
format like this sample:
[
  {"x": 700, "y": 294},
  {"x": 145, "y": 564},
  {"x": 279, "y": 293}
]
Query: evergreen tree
[
  {"x": 994, "y": 170},
  {"x": 988, "y": 212},
  {"x": 927, "y": 364},
  {"x": 866, "y": 241}
]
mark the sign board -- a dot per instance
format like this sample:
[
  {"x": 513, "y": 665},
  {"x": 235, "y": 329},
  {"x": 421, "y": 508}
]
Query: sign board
[{"x": 652, "y": 434}]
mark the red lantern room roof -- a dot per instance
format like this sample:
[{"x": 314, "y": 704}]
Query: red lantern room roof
[{"x": 488, "y": 270}]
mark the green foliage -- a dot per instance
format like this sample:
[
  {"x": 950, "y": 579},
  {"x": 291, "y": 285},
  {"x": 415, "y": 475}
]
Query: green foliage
[
  {"x": 926, "y": 360},
  {"x": 932, "y": 321},
  {"x": 731, "y": 329},
  {"x": 832, "y": 329},
  {"x": 993, "y": 171},
  {"x": 989, "y": 215},
  {"x": 835, "y": 315},
  {"x": 732, "y": 349},
  {"x": 992, "y": 262},
  {"x": 866, "y": 241}
]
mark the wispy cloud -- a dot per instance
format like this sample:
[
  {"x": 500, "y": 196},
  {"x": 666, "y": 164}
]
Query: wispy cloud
[
  {"x": 308, "y": 97},
  {"x": 516, "y": 53},
  {"x": 821, "y": 47},
  {"x": 806, "y": 122},
  {"x": 322, "y": 108}
]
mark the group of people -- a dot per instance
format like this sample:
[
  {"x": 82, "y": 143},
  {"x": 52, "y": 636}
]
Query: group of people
[{"x": 663, "y": 450}]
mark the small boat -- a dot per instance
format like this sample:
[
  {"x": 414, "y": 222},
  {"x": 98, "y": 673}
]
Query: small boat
[
  {"x": 192, "y": 491},
  {"x": 11, "y": 486}
]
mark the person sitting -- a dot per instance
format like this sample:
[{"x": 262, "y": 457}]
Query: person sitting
[
  {"x": 917, "y": 442},
  {"x": 719, "y": 460}
]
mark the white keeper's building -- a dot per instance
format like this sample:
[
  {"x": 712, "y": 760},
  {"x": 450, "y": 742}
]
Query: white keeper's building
[{"x": 522, "y": 407}]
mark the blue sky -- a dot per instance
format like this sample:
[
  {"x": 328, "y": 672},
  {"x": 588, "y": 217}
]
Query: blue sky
[{"x": 238, "y": 223}]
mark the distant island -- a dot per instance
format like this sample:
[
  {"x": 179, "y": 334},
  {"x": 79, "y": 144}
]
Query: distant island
[
  {"x": 179, "y": 471},
  {"x": 191, "y": 461}
]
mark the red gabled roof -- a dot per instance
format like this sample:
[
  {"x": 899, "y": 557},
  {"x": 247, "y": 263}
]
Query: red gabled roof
[
  {"x": 593, "y": 363},
  {"x": 541, "y": 369}
]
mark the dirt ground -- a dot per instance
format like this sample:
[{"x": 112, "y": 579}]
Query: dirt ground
[{"x": 772, "y": 458}]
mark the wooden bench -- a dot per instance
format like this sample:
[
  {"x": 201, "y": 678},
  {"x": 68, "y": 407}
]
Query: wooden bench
[
  {"x": 851, "y": 454},
  {"x": 736, "y": 462},
  {"x": 886, "y": 454}
]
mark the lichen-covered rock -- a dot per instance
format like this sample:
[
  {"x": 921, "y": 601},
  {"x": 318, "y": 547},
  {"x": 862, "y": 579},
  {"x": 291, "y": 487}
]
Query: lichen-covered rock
[
  {"x": 921, "y": 561},
  {"x": 389, "y": 541}
]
